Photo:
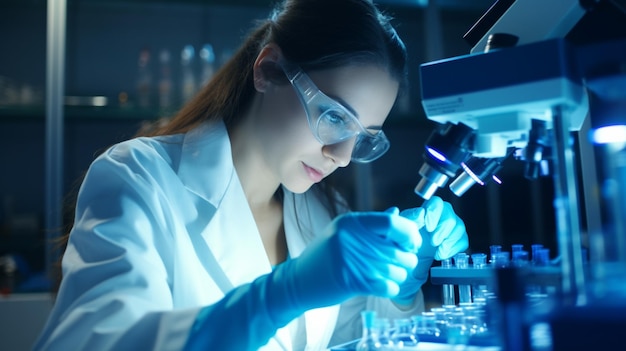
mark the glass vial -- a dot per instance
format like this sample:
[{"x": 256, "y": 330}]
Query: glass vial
[
  {"x": 370, "y": 338},
  {"x": 402, "y": 336}
]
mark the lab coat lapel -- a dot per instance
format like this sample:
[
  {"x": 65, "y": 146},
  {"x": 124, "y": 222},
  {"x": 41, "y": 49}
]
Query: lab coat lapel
[{"x": 206, "y": 168}]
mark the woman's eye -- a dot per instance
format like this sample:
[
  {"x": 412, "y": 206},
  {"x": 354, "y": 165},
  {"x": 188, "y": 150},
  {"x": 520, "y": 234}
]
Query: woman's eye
[{"x": 337, "y": 117}]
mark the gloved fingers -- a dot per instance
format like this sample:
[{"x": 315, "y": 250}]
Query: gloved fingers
[
  {"x": 396, "y": 273},
  {"x": 406, "y": 260},
  {"x": 447, "y": 221},
  {"x": 444, "y": 229},
  {"x": 386, "y": 288},
  {"x": 375, "y": 222},
  {"x": 404, "y": 233},
  {"x": 434, "y": 210},
  {"x": 420, "y": 272},
  {"x": 397, "y": 230},
  {"x": 415, "y": 214},
  {"x": 457, "y": 241},
  {"x": 384, "y": 254},
  {"x": 379, "y": 279},
  {"x": 407, "y": 238},
  {"x": 391, "y": 277},
  {"x": 377, "y": 247},
  {"x": 371, "y": 256},
  {"x": 393, "y": 210}
]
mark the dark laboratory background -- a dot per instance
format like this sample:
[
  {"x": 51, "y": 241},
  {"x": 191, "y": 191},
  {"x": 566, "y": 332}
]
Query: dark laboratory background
[{"x": 127, "y": 62}]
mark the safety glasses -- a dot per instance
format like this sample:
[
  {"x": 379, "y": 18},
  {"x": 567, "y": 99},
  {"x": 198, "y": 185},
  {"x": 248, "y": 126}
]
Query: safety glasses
[{"x": 331, "y": 122}]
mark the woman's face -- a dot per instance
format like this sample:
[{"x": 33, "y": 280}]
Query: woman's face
[{"x": 287, "y": 144}]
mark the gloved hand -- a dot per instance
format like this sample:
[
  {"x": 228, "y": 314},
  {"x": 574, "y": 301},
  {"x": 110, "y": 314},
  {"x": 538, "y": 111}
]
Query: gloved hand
[
  {"x": 443, "y": 236},
  {"x": 362, "y": 253},
  {"x": 366, "y": 253}
]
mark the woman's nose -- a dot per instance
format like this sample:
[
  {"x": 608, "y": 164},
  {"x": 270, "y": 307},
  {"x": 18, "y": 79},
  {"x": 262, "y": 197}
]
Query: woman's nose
[{"x": 341, "y": 152}]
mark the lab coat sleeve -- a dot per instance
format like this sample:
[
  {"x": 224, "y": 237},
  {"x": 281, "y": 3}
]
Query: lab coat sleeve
[{"x": 116, "y": 292}]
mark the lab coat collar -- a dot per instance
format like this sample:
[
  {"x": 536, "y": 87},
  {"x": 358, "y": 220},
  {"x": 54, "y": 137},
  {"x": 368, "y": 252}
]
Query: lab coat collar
[
  {"x": 206, "y": 169},
  {"x": 202, "y": 168}
]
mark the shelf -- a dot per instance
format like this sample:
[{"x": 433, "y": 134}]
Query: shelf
[
  {"x": 445, "y": 4},
  {"x": 84, "y": 112},
  {"x": 113, "y": 113}
]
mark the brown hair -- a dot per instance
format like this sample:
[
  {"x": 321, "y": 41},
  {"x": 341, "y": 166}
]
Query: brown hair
[{"x": 314, "y": 34}]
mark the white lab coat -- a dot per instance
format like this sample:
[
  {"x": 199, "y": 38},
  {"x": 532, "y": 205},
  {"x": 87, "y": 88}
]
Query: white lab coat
[{"x": 162, "y": 229}]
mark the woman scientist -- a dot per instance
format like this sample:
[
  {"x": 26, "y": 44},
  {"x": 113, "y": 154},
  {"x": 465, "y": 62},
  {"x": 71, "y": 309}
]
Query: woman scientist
[{"x": 217, "y": 231}]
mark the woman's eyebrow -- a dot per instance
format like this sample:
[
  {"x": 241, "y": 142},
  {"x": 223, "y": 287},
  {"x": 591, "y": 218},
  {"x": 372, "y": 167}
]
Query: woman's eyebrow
[
  {"x": 347, "y": 106},
  {"x": 343, "y": 103}
]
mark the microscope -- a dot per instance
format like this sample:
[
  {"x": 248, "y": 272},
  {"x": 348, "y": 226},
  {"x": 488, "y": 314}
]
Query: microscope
[{"x": 544, "y": 82}]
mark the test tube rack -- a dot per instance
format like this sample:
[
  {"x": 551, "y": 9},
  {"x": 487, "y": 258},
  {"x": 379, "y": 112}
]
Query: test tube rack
[{"x": 541, "y": 276}]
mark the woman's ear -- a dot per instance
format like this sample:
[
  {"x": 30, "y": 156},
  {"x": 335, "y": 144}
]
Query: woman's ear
[{"x": 265, "y": 66}]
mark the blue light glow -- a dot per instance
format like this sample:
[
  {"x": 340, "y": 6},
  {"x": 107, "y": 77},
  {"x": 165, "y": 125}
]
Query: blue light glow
[
  {"x": 609, "y": 134},
  {"x": 496, "y": 179},
  {"x": 436, "y": 154}
]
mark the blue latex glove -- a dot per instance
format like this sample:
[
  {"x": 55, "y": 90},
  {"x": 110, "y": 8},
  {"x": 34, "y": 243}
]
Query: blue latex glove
[
  {"x": 443, "y": 236},
  {"x": 366, "y": 253}
]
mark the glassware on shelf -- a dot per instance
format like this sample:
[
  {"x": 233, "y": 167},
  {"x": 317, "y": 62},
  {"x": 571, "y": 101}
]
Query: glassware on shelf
[
  {"x": 188, "y": 79},
  {"x": 165, "y": 80},
  {"x": 207, "y": 57},
  {"x": 144, "y": 78}
]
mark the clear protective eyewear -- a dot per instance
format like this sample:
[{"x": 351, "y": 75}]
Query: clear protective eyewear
[{"x": 333, "y": 123}]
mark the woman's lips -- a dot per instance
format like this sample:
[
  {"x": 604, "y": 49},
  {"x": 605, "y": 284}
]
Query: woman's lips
[{"x": 315, "y": 175}]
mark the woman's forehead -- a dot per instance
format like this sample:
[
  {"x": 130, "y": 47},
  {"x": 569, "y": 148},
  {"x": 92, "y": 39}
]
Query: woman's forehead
[{"x": 369, "y": 90}]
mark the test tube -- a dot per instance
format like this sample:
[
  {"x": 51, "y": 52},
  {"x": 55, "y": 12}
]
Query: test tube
[
  {"x": 448, "y": 289},
  {"x": 543, "y": 257},
  {"x": 520, "y": 258},
  {"x": 479, "y": 260},
  {"x": 494, "y": 249},
  {"x": 534, "y": 248},
  {"x": 501, "y": 259},
  {"x": 465, "y": 291}
]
